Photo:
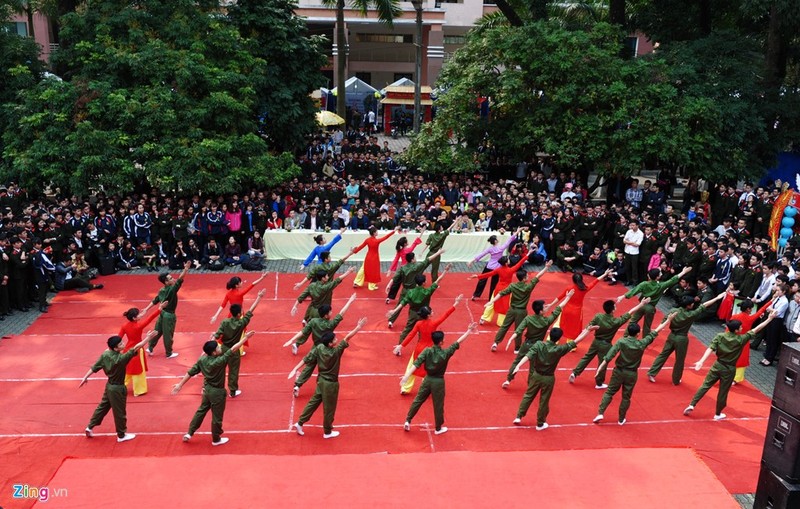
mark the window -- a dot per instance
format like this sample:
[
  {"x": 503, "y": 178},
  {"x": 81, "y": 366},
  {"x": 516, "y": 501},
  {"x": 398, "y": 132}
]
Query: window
[
  {"x": 385, "y": 38},
  {"x": 366, "y": 77},
  {"x": 18, "y": 27},
  {"x": 631, "y": 46},
  {"x": 455, "y": 39}
]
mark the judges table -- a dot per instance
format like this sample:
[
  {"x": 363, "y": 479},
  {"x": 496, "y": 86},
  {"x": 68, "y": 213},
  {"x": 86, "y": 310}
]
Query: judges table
[{"x": 297, "y": 244}]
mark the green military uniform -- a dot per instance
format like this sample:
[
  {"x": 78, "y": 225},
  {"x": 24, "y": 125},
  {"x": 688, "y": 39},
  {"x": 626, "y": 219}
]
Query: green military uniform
[
  {"x": 115, "y": 394},
  {"x": 329, "y": 267},
  {"x": 751, "y": 282},
  {"x": 406, "y": 276},
  {"x": 517, "y": 309},
  {"x": 320, "y": 293},
  {"x": 214, "y": 394},
  {"x": 165, "y": 325},
  {"x": 435, "y": 360},
  {"x": 435, "y": 242},
  {"x": 601, "y": 343},
  {"x": 316, "y": 327},
  {"x": 655, "y": 290},
  {"x": 678, "y": 342},
  {"x": 535, "y": 327},
  {"x": 625, "y": 372},
  {"x": 180, "y": 230},
  {"x": 228, "y": 334},
  {"x": 327, "y": 359},
  {"x": 728, "y": 346},
  {"x": 544, "y": 357},
  {"x": 415, "y": 298}
]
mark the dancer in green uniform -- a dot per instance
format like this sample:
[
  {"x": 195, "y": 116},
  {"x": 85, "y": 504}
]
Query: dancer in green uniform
[
  {"x": 435, "y": 360},
  {"x": 728, "y": 346},
  {"x": 115, "y": 395},
  {"x": 415, "y": 298},
  {"x": 628, "y": 351},
  {"x": 544, "y": 357},
  {"x": 655, "y": 290},
  {"x": 327, "y": 357},
  {"x": 678, "y": 339},
  {"x": 435, "y": 242},
  {"x": 212, "y": 366},
  {"x": 325, "y": 264},
  {"x": 517, "y": 308},
  {"x": 165, "y": 325},
  {"x": 316, "y": 327},
  {"x": 608, "y": 327},
  {"x": 320, "y": 292},
  {"x": 229, "y": 333},
  {"x": 535, "y": 327},
  {"x": 405, "y": 277}
]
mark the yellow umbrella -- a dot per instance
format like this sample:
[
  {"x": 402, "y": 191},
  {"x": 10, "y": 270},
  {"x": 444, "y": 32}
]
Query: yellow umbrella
[{"x": 328, "y": 118}]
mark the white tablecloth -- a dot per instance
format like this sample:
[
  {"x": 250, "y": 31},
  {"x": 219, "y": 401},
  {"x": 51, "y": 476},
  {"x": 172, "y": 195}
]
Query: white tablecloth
[{"x": 297, "y": 244}]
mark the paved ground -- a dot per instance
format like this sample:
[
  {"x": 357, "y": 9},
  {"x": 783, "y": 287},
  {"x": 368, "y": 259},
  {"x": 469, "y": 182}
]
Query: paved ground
[{"x": 761, "y": 377}]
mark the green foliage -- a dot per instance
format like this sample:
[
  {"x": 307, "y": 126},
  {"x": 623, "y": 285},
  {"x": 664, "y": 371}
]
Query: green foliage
[
  {"x": 293, "y": 59},
  {"x": 570, "y": 93},
  {"x": 165, "y": 90}
]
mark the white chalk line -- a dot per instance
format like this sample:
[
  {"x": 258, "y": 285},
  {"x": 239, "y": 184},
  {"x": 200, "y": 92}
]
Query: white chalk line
[
  {"x": 281, "y": 373},
  {"x": 425, "y": 427},
  {"x": 286, "y": 333}
]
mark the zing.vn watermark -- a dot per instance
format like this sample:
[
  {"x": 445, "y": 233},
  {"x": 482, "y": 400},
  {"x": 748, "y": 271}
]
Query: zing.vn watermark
[{"x": 42, "y": 494}]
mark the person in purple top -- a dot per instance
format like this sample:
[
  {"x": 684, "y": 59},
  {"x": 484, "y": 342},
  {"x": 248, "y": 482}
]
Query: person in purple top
[
  {"x": 320, "y": 248},
  {"x": 494, "y": 251}
]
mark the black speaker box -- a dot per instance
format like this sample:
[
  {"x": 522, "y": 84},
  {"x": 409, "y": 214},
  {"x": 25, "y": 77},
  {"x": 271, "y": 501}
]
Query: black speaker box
[
  {"x": 775, "y": 493},
  {"x": 782, "y": 445},
  {"x": 787, "y": 386}
]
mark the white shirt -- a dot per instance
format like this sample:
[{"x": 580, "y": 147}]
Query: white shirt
[
  {"x": 765, "y": 288},
  {"x": 633, "y": 236},
  {"x": 780, "y": 304}
]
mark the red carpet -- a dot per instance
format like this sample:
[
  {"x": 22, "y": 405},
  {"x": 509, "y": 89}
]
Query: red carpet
[
  {"x": 45, "y": 412},
  {"x": 610, "y": 478}
]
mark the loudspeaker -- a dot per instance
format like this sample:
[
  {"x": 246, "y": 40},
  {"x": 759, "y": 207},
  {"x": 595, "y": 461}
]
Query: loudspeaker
[
  {"x": 787, "y": 386},
  {"x": 782, "y": 445},
  {"x": 775, "y": 493},
  {"x": 107, "y": 266}
]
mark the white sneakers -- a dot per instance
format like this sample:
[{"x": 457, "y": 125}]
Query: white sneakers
[
  {"x": 172, "y": 355},
  {"x": 506, "y": 384},
  {"x": 517, "y": 421},
  {"x": 296, "y": 391},
  {"x": 407, "y": 426},
  {"x": 128, "y": 436},
  {"x": 294, "y": 348},
  {"x": 391, "y": 324},
  {"x": 622, "y": 422},
  {"x": 651, "y": 378},
  {"x": 332, "y": 434},
  {"x": 572, "y": 378},
  {"x": 543, "y": 427},
  {"x": 440, "y": 431},
  {"x": 598, "y": 418},
  {"x": 299, "y": 428},
  {"x": 187, "y": 437},
  {"x": 601, "y": 386},
  {"x": 149, "y": 352},
  {"x": 494, "y": 347},
  {"x": 237, "y": 393},
  {"x": 688, "y": 410},
  {"x": 222, "y": 441},
  {"x": 719, "y": 417},
  {"x": 88, "y": 432}
]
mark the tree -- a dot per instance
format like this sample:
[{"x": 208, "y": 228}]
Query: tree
[
  {"x": 162, "y": 90},
  {"x": 387, "y": 10},
  {"x": 571, "y": 94},
  {"x": 20, "y": 66},
  {"x": 293, "y": 59}
]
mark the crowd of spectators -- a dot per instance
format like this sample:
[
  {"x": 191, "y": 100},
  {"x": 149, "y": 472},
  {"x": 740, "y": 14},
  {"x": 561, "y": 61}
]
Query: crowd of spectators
[{"x": 349, "y": 181}]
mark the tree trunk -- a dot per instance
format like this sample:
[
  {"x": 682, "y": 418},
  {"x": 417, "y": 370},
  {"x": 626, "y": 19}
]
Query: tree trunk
[
  {"x": 341, "y": 53},
  {"x": 616, "y": 12},
  {"x": 509, "y": 12},
  {"x": 538, "y": 10},
  {"x": 29, "y": 12},
  {"x": 705, "y": 18},
  {"x": 776, "y": 51}
]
